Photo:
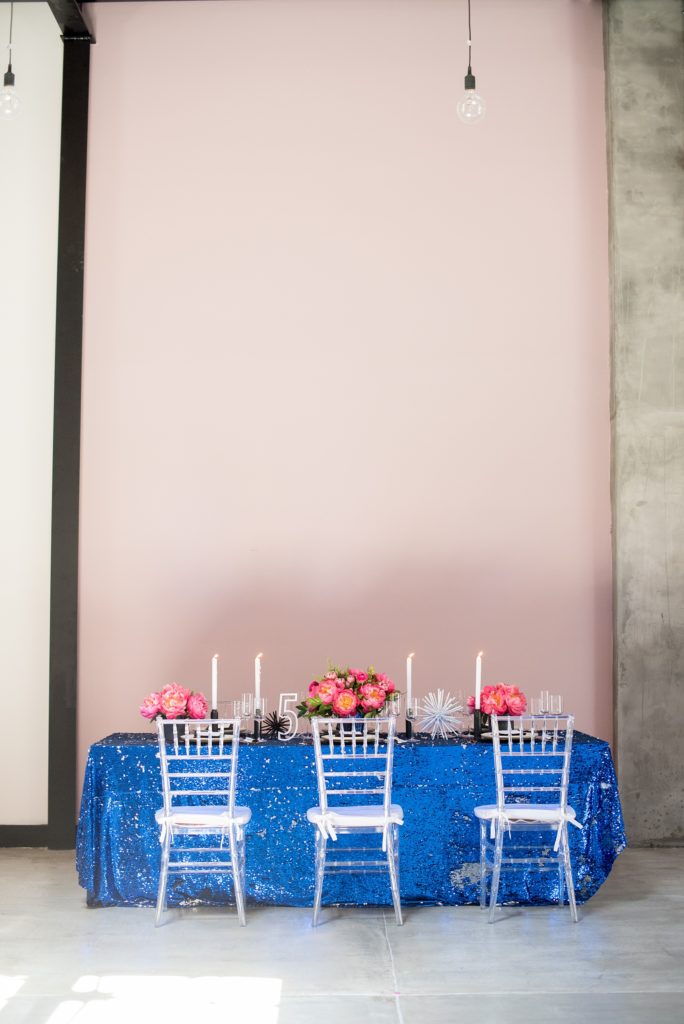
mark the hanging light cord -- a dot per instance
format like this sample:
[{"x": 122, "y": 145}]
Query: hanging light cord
[
  {"x": 470, "y": 43},
  {"x": 9, "y": 65}
]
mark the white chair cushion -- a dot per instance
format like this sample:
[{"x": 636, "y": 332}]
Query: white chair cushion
[
  {"x": 207, "y": 816},
  {"x": 547, "y": 814},
  {"x": 363, "y": 816}
]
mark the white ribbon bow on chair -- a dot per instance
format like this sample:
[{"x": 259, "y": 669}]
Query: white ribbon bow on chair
[
  {"x": 505, "y": 821},
  {"x": 326, "y": 827},
  {"x": 571, "y": 821}
]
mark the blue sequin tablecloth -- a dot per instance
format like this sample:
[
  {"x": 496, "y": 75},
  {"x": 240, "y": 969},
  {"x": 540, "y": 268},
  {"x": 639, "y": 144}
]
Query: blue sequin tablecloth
[{"x": 437, "y": 783}]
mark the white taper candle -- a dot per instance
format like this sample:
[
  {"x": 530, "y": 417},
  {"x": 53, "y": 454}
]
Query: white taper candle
[
  {"x": 478, "y": 680},
  {"x": 214, "y": 683},
  {"x": 409, "y": 680},
  {"x": 257, "y": 678}
]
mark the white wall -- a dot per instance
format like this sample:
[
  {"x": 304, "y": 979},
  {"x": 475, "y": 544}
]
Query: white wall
[
  {"x": 345, "y": 370},
  {"x": 29, "y": 182}
]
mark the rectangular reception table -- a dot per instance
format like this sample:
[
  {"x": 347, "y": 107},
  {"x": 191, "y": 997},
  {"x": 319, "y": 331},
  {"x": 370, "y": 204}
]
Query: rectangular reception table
[{"x": 438, "y": 783}]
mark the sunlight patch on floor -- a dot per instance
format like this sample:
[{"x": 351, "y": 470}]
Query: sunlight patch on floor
[
  {"x": 9, "y": 986},
  {"x": 106, "y": 999}
]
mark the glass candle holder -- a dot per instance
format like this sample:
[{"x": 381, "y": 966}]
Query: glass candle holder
[{"x": 394, "y": 705}]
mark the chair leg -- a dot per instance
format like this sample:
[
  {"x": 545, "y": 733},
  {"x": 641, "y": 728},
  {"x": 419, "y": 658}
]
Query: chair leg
[
  {"x": 241, "y": 864},
  {"x": 163, "y": 878},
  {"x": 393, "y": 862},
  {"x": 236, "y": 855},
  {"x": 496, "y": 873},
  {"x": 321, "y": 844},
  {"x": 561, "y": 879},
  {"x": 483, "y": 864},
  {"x": 569, "y": 884}
]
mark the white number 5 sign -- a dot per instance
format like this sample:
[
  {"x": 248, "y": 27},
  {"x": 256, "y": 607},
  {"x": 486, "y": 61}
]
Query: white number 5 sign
[{"x": 287, "y": 703}]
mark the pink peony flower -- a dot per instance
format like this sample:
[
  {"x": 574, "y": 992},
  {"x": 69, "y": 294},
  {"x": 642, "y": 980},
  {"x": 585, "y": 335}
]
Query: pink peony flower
[
  {"x": 330, "y": 675},
  {"x": 471, "y": 703},
  {"x": 150, "y": 707},
  {"x": 361, "y": 677},
  {"x": 485, "y": 694},
  {"x": 197, "y": 705},
  {"x": 372, "y": 697},
  {"x": 350, "y": 679},
  {"x": 327, "y": 691},
  {"x": 345, "y": 703},
  {"x": 313, "y": 688},
  {"x": 516, "y": 700},
  {"x": 173, "y": 701},
  {"x": 389, "y": 686},
  {"x": 175, "y": 688},
  {"x": 494, "y": 701}
]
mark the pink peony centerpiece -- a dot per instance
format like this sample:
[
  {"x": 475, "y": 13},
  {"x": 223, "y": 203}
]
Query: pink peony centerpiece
[
  {"x": 346, "y": 692},
  {"x": 174, "y": 701},
  {"x": 500, "y": 700}
]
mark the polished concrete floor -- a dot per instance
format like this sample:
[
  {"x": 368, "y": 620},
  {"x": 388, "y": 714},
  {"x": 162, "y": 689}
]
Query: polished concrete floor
[{"x": 62, "y": 963}]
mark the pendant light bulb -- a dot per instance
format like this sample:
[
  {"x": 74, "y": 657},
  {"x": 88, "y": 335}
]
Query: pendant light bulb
[
  {"x": 471, "y": 107},
  {"x": 9, "y": 101}
]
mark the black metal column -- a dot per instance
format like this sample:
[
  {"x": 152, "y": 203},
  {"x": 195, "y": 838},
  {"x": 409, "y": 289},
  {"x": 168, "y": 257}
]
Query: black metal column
[{"x": 67, "y": 447}]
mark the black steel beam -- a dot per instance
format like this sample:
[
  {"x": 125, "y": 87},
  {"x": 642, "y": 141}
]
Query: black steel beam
[
  {"x": 23, "y": 835},
  {"x": 67, "y": 448},
  {"x": 71, "y": 21}
]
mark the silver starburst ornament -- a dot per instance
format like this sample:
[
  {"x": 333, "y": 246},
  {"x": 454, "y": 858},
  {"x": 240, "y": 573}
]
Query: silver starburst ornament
[{"x": 440, "y": 714}]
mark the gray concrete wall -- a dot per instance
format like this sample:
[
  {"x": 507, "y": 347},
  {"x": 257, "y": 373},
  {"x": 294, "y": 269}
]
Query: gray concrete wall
[{"x": 645, "y": 103}]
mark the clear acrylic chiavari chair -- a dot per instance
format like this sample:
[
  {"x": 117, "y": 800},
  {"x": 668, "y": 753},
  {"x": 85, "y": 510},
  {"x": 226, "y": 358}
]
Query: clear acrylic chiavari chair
[
  {"x": 199, "y": 772},
  {"x": 532, "y": 763},
  {"x": 354, "y": 763}
]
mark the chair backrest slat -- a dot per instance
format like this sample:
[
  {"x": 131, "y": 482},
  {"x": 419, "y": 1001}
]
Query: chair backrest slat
[
  {"x": 360, "y": 749},
  {"x": 546, "y": 741},
  {"x": 193, "y": 751}
]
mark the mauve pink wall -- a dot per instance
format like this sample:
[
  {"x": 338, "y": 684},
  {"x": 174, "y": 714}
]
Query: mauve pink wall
[{"x": 346, "y": 370}]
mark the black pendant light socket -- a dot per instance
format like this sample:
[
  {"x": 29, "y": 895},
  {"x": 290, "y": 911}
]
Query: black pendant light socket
[
  {"x": 469, "y": 80},
  {"x": 9, "y": 75}
]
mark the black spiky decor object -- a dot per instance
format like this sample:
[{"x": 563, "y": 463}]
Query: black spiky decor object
[{"x": 274, "y": 725}]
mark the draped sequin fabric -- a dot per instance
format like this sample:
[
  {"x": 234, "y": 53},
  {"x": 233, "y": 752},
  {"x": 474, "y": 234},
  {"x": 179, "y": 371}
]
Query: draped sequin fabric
[{"x": 437, "y": 782}]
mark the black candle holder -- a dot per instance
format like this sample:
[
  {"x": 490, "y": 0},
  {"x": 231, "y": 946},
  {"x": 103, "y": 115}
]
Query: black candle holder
[
  {"x": 214, "y": 713},
  {"x": 481, "y": 723},
  {"x": 257, "y": 726},
  {"x": 410, "y": 719}
]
